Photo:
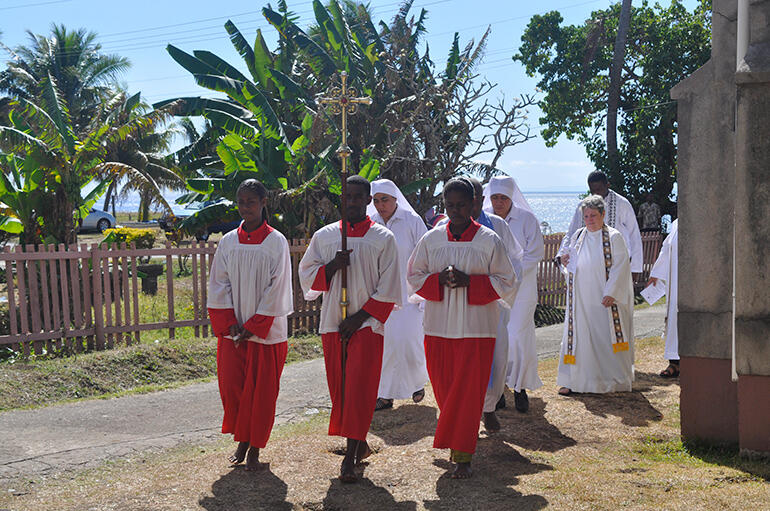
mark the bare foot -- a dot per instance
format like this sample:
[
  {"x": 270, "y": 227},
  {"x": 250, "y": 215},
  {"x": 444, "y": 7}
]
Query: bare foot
[
  {"x": 252, "y": 461},
  {"x": 491, "y": 423},
  {"x": 240, "y": 453},
  {"x": 564, "y": 391},
  {"x": 347, "y": 471},
  {"x": 363, "y": 451},
  {"x": 462, "y": 471}
]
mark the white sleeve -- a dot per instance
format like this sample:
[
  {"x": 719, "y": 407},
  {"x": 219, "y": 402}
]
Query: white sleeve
[
  {"x": 220, "y": 293},
  {"x": 311, "y": 262},
  {"x": 501, "y": 274},
  {"x": 634, "y": 237},
  {"x": 417, "y": 271},
  {"x": 389, "y": 284},
  {"x": 660, "y": 268},
  {"x": 534, "y": 248},
  {"x": 574, "y": 225},
  {"x": 278, "y": 298},
  {"x": 620, "y": 271},
  {"x": 514, "y": 249}
]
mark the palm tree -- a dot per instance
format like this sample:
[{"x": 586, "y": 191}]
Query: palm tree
[
  {"x": 44, "y": 132},
  {"x": 145, "y": 169},
  {"x": 73, "y": 58}
]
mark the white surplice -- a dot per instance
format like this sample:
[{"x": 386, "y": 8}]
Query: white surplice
[
  {"x": 373, "y": 273},
  {"x": 453, "y": 317},
  {"x": 266, "y": 291},
  {"x": 597, "y": 368},
  {"x": 619, "y": 214},
  {"x": 521, "y": 372},
  {"x": 403, "y": 355},
  {"x": 666, "y": 269}
]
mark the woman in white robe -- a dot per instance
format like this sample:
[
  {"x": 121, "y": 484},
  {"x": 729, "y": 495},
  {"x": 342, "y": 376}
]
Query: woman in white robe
[
  {"x": 665, "y": 269},
  {"x": 597, "y": 351},
  {"x": 403, "y": 358},
  {"x": 503, "y": 197}
]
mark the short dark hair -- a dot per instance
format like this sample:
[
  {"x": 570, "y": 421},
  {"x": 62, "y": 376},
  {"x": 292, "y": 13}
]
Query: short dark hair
[
  {"x": 253, "y": 186},
  {"x": 461, "y": 185},
  {"x": 597, "y": 176},
  {"x": 360, "y": 181}
]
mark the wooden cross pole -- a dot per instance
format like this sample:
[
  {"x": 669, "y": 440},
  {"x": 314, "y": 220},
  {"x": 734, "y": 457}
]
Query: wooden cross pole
[{"x": 343, "y": 101}]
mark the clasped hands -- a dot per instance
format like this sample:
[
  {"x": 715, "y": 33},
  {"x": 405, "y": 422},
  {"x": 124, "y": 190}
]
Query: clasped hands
[
  {"x": 453, "y": 278},
  {"x": 352, "y": 323},
  {"x": 239, "y": 333}
]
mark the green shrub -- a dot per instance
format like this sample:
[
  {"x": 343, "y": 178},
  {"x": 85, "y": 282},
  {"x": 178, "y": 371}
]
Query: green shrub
[{"x": 144, "y": 238}]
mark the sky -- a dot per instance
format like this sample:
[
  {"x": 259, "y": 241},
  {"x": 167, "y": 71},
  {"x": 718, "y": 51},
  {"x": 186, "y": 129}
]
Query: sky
[{"x": 140, "y": 31}]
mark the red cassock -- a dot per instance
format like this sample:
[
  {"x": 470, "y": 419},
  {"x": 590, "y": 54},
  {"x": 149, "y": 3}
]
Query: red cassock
[{"x": 249, "y": 374}]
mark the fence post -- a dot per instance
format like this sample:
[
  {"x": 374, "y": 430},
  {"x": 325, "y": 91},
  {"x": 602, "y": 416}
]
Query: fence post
[
  {"x": 96, "y": 285},
  {"x": 170, "y": 290}
]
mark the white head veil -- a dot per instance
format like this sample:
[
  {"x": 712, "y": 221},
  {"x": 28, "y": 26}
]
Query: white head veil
[
  {"x": 504, "y": 185},
  {"x": 388, "y": 187}
]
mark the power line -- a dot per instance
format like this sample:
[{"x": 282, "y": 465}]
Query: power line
[{"x": 24, "y": 6}]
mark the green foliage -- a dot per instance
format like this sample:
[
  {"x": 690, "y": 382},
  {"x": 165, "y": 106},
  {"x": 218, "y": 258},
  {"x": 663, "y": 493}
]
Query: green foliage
[
  {"x": 270, "y": 125},
  {"x": 665, "y": 45},
  {"x": 144, "y": 238}
]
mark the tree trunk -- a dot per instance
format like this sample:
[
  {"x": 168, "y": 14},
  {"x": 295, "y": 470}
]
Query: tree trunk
[
  {"x": 613, "y": 100},
  {"x": 108, "y": 196}
]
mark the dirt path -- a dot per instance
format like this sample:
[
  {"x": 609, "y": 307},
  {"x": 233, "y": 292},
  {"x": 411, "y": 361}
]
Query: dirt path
[{"x": 45, "y": 441}]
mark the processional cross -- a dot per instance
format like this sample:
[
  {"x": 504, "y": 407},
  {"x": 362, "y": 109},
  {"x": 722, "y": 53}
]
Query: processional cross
[{"x": 343, "y": 101}]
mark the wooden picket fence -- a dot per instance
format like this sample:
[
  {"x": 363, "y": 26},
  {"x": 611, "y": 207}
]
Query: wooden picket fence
[{"x": 87, "y": 297}]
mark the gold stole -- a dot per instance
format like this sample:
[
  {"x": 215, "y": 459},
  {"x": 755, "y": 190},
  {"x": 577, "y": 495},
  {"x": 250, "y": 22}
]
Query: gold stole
[{"x": 619, "y": 344}]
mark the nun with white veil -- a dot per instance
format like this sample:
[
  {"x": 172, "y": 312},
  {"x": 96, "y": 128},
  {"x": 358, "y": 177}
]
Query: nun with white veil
[
  {"x": 404, "y": 373},
  {"x": 503, "y": 198}
]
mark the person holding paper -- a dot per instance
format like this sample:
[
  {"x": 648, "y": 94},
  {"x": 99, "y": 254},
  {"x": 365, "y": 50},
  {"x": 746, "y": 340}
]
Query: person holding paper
[
  {"x": 597, "y": 350},
  {"x": 249, "y": 298},
  {"x": 665, "y": 270}
]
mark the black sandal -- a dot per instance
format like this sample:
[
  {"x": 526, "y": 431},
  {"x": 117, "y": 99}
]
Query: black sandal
[
  {"x": 383, "y": 404},
  {"x": 418, "y": 396},
  {"x": 672, "y": 371}
]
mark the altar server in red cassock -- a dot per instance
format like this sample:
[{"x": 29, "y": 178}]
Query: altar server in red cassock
[
  {"x": 463, "y": 272},
  {"x": 249, "y": 298},
  {"x": 374, "y": 288}
]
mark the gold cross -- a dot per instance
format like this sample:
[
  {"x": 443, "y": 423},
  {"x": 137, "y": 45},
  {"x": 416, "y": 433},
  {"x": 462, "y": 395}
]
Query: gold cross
[{"x": 343, "y": 100}]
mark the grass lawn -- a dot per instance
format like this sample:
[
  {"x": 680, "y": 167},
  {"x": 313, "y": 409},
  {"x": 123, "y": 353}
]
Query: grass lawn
[
  {"x": 155, "y": 364},
  {"x": 584, "y": 452}
]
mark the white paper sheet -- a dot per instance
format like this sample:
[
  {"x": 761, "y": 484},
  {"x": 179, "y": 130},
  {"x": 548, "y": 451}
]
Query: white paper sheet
[{"x": 654, "y": 292}]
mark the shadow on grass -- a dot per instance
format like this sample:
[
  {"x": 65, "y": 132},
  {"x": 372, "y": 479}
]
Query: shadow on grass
[
  {"x": 645, "y": 381},
  {"x": 496, "y": 470},
  {"x": 239, "y": 489},
  {"x": 530, "y": 430},
  {"x": 405, "y": 424},
  {"x": 728, "y": 456},
  {"x": 363, "y": 494},
  {"x": 633, "y": 408}
]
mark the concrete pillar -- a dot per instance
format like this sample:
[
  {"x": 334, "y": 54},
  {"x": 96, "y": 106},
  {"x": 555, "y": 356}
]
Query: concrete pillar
[
  {"x": 706, "y": 185},
  {"x": 752, "y": 228}
]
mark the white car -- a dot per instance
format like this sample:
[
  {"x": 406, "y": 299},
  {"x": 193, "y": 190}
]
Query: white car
[{"x": 97, "y": 220}]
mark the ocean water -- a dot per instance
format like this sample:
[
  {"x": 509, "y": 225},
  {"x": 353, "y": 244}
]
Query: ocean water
[{"x": 556, "y": 208}]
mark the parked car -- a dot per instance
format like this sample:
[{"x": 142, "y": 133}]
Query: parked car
[
  {"x": 170, "y": 222},
  {"x": 97, "y": 220}
]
